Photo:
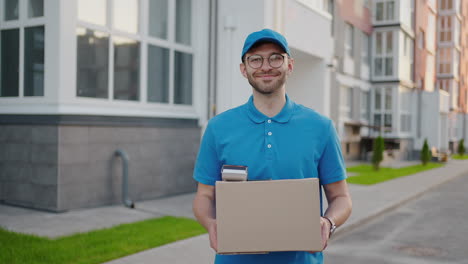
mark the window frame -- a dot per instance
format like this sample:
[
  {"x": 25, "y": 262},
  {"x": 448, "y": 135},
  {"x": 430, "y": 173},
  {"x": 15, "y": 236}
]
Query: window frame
[
  {"x": 444, "y": 60},
  {"x": 384, "y": 55},
  {"x": 23, "y": 22},
  {"x": 385, "y": 12},
  {"x": 145, "y": 39},
  {"x": 383, "y": 111}
]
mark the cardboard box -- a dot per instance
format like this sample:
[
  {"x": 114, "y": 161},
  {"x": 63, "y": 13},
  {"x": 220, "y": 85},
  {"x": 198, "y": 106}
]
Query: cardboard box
[{"x": 265, "y": 216}]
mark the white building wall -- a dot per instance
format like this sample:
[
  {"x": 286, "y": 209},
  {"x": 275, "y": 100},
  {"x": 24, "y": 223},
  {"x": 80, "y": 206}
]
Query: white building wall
[
  {"x": 308, "y": 31},
  {"x": 404, "y": 57},
  {"x": 405, "y": 8},
  {"x": 235, "y": 22}
]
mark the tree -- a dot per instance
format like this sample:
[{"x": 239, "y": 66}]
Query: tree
[
  {"x": 377, "y": 152},
  {"x": 461, "y": 147},
  {"x": 425, "y": 153}
]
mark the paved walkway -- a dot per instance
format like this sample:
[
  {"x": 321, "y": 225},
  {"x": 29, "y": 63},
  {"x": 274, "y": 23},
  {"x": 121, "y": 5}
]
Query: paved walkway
[{"x": 368, "y": 202}]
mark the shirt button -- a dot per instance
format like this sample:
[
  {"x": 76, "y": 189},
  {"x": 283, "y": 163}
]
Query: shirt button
[
  {"x": 269, "y": 145},
  {"x": 269, "y": 133},
  {"x": 269, "y": 121}
]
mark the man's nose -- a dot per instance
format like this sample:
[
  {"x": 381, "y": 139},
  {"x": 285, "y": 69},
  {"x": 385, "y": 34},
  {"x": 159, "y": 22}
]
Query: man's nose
[{"x": 265, "y": 65}]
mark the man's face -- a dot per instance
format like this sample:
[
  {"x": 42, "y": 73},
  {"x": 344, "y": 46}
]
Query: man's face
[{"x": 266, "y": 79}]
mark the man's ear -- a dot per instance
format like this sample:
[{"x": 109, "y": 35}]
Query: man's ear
[
  {"x": 243, "y": 70},
  {"x": 290, "y": 65}
]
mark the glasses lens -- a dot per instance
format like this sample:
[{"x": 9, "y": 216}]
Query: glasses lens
[
  {"x": 276, "y": 60},
  {"x": 255, "y": 61}
]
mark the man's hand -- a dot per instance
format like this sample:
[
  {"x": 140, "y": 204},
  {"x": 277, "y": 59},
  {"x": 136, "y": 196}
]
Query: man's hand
[
  {"x": 325, "y": 228},
  {"x": 203, "y": 209},
  {"x": 212, "y": 233}
]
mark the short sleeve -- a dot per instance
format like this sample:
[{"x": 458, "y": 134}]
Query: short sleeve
[
  {"x": 207, "y": 167},
  {"x": 331, "y": 166}
]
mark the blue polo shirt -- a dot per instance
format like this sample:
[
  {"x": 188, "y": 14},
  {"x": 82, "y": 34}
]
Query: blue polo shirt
[{"x": 296, "y": 143}]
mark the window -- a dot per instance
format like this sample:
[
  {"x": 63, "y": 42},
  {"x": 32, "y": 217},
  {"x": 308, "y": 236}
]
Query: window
[
  {"x": 10, "y": 56},
  {"x": 383, "y": 59},
  {"x": 365, "y": 106},
  {"x": 35, "y": 8},
  {"x": 445, "y": 28},
  {"x": 167, "y": 45},
  {"x": 349, "y": 40},
  {"x": 22, "y": 40},
  {"x": 444, "y": 60},
  {"x": 384, "y": 10},
  {"x": 34, "y": 61},
  {"x": 365, "y": 49},
  {"x": 405, "y": 111},
  {"x": 346, "y": 102},
  {"x": 383, "y": 108},
  {"x": 93, "y": 63},
  {"x": 443, "y": 84},
  {"x": 446, "y": 4},
  {"x": 11, "y": 10}
]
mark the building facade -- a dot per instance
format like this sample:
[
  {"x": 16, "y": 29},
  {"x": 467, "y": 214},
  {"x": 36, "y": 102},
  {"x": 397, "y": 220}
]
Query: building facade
[
  {"x": 82, "y": 79},
  {"x": 448, "y": 63},
  {"x": 392, "y": 75},
  {"x": 351, "y": 86}
]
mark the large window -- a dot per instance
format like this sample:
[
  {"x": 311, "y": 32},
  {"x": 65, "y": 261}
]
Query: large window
[
  {"x": 383, "y": 109},
  {"x": 157, "y": 48},
  {"x": 405, "y": 111},
  {"x": 444, "y": 61},
  {"x": 445, "y": 28},
  {"x": 383, "y": 59},
  {"x": 384, "y": 10},
  {"x": 22, "y": 49}
]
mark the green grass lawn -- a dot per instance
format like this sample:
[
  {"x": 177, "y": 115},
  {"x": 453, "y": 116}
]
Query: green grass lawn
[
  {"x": 366, "y": 175},
  {"x": 96, "y": 246},
  {"x": 458, "y": 157}
]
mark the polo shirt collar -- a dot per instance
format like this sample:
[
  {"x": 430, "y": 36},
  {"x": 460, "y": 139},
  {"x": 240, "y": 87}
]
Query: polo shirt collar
[{"x": 282, "y": 117}]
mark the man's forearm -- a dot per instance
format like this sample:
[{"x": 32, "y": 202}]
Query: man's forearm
[
  {"x": 339, "y": 209},
  {"x": 204, "y": 210}
]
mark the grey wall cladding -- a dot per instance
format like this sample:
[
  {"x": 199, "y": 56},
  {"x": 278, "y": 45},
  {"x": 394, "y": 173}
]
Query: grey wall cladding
[
  {"x": 161, "y": 163},
  {"x": 28, "y": 166}
]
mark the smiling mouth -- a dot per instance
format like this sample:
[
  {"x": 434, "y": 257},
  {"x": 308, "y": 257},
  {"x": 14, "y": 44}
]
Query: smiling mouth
[{"x": 267, "y": 76}]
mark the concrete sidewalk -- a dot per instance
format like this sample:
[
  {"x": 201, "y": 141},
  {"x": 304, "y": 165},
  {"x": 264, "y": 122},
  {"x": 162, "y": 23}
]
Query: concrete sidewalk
[{"x": 368, "y": 202}]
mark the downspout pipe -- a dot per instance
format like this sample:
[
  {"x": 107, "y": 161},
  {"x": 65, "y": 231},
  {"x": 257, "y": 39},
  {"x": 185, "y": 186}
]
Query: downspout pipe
[{"x": 126, "y": 201}]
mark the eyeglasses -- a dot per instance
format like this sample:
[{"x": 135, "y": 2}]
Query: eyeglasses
[{"x": 256, "y": 61}]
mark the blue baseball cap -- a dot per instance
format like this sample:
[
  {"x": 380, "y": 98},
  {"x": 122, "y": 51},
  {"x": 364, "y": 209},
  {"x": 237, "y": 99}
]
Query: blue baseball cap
[{"x": 265, "y": 35}]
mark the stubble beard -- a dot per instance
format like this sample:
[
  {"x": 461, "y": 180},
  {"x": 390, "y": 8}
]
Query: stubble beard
[{"x": 268, "y": 87}]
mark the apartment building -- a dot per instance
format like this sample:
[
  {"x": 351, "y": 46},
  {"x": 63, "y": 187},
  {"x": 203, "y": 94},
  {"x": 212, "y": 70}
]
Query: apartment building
[
  {"x": 351, "y": 87},
  {"x": 462, "y": 131},
  {"x": 80, "y": 79},
  {"x": 448, "y": 63},
  {"x": 392, "y": 113},
  {"x": 431, "y": 103}
]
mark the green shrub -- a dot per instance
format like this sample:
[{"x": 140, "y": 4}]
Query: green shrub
[
  {"x": 461, "y": 147},
  {"x": 425, "y": 153},
  {"x": 377, "y": 152}
]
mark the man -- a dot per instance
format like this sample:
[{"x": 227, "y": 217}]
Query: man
[{"x": 277, "y": 139}]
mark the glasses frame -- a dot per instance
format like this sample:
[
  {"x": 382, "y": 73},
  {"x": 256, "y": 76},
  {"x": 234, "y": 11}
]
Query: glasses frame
[{"x": 283, "y": 55}]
